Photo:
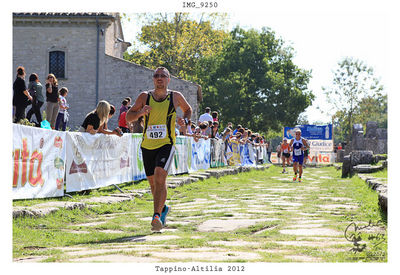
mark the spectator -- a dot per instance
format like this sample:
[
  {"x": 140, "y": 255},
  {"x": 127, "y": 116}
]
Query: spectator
[
  {"x": 269, "y": 150},
  {"x": 190, "y": 129},
  {"x": 95, "y": 118},
  {"x": 122, "y": 124},
  {"x": 62, "y": 117},
  {"x": 228, "y": 126},
  {"x": 226, "y": 134},
  {"x": 209, "y": 128},
  {"x": 21, "y": 96},
  {"x": 206, "y": 116},
  {"x": 52, "y": 99},
  {"x": 103, "y": 127},
  {"x": 124, "y": 106},
  {"x": 214, "y": 116},
  {"x": 340, "y": 147},
  {"x": 244, "y": 138},
  {"x": 203, "y": 128},
  {"x": 38, "y": 99},
  {"x": 237, "y": 129},
  {"x": 214, "y": 130}
]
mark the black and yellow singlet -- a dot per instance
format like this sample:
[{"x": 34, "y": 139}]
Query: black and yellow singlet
[{"x": 159, "y": 124}]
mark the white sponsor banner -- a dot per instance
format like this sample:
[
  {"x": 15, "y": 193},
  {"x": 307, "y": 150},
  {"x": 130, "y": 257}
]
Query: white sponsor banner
[
  {"x": 180, "y": 163},
  {"x": 138, "y": 172},
  {"x": 321, "y": 158},
  {"x": 98, "y": 160},
  {"x": 319, "y": 145},
  {"x": 38, "y": 162},
  {"x": 200, "y": 154},
  {"x": 313, "y": 157}
]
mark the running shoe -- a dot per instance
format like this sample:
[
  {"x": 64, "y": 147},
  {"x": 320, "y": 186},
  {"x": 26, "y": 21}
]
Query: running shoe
[
  {"x": 299, "y": 179},
  {"x": 164, "y": 214},
  {"x": 156, "y": 224},
  {"x": 295, "y": 178}
]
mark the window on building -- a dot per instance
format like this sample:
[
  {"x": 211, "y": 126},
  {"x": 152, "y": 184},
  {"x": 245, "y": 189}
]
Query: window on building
[{"x": 57, "y": 63}]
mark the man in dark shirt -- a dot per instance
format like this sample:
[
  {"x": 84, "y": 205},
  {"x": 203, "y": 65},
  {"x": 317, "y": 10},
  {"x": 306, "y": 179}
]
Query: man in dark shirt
[{"x": 21, "y": 96}]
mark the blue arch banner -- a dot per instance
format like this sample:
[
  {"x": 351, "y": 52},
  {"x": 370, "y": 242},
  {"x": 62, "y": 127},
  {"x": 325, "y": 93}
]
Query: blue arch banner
[{"x": 321, "y": 132}]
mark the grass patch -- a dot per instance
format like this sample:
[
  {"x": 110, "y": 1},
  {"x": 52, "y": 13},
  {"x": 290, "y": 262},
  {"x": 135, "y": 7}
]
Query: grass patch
[{"x": 252, "y": 194}]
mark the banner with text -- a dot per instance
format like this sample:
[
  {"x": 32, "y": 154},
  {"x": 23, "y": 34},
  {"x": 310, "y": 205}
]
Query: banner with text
[
  {"x": 182, "y": 158},
  {"x": 321, "y": 132},
  {"x": 200, "y": 154},
  {"x": 97, "y": 160},
  {"x": 38, "y": 162},
  {"x": 217, "y": 153},
  {"x": 313, "y": 157},
  {"x": 138, "y": 172}
]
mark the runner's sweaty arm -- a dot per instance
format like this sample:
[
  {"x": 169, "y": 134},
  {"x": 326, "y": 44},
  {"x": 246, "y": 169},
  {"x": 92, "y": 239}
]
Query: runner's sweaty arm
[{"x": 138, "y": 109}]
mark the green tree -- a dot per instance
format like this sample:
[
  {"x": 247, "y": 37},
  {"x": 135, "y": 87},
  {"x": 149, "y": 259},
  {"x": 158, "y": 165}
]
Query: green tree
[
  {"x": 254, "y": 81},
  {"x": 353, "y": 81},
  {"x": 372, "y": 108},
  {"x": 177, "y": 42}
]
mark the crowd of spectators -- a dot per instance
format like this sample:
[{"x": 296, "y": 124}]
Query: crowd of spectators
[
  {"x": 208, "y": 126},
  {"x": 96, "y": 121}
]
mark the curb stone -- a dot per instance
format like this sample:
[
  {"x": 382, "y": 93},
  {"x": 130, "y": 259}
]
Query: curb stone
[
  {"x": 379, "y": 187},
  {"x": 41, "y": 210}
]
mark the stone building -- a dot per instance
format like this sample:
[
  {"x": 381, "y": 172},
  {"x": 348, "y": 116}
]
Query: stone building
[{"x": 84, "y": 51}]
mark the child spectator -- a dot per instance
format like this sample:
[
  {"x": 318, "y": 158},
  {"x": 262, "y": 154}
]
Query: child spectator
[{"x": 62, "y": 117}]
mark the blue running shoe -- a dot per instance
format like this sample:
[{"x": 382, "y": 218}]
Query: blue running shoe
[
  {"x": 164, "y": 214},
  {"x": 156, "y": 224}
]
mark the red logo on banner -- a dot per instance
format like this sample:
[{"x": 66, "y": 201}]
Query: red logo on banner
[
  {"x": 58, "y": 142},
  {"x": 60, "y": 183},
  {"x": 25, "y": 175},
  {"x": 124, "y": 163},
  {"x": 75, "y": 168}
]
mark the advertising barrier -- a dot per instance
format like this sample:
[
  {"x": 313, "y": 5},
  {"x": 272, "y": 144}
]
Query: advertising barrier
[
  {"x": 38, "y": 162},
  {"x": 98, "y": 160},
  {"x": 217, "y": 149},
  {"x": 200, "y": 154},
  {"x": 43, "y": 159},
  {"x": 313, "y": 157}
]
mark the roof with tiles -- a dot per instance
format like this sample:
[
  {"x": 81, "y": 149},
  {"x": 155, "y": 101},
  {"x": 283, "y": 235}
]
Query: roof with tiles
[{"x": 63, "y": 14}]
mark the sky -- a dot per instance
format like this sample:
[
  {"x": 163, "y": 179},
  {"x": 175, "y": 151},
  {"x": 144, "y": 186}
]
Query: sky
[{"x": 321, "y": 38}]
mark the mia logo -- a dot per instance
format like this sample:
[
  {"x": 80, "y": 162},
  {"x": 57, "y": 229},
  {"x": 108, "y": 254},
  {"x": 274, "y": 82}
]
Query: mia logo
[{"x": 31, "y": 175}]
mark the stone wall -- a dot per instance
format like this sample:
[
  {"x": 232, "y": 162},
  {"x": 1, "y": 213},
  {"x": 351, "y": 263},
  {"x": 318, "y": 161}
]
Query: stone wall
[
  {"x": 31, "y": 46},
  {"x": 35, "y": 35}
]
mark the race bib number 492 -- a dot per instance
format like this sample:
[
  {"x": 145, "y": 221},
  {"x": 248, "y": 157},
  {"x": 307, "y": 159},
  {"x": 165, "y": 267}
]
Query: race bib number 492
[{"x": 156, "y": 131}]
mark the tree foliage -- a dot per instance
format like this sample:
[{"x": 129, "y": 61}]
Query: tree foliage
[
  {"x": 353, "y": 92},
  {"x": 254, "y": 81},
  {"x": 177, "y": 42}
]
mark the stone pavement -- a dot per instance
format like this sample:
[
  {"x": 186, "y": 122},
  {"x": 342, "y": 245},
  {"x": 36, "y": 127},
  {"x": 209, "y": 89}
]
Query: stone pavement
[{"x": 272, "y": 219}]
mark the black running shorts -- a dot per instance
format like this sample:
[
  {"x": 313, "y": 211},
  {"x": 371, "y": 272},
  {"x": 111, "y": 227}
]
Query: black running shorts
[
  {"x": 160, "y": 157},
  {"x": 286, "y": 155}
]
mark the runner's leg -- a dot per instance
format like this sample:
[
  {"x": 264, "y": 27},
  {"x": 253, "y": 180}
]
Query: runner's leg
[{"x": 160, "y": 189}]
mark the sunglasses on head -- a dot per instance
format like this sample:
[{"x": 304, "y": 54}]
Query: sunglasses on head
[{"x": 160, "y": 75}]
